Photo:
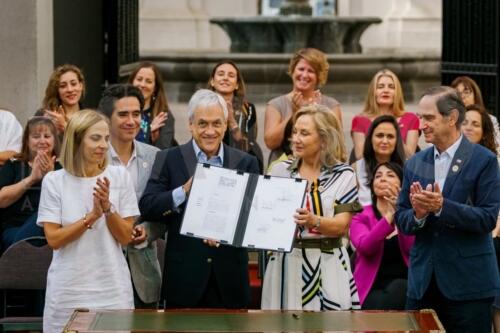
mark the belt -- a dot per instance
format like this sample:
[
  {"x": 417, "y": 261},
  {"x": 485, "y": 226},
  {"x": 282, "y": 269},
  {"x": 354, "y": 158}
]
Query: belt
[{"x": 324, "y": 244}]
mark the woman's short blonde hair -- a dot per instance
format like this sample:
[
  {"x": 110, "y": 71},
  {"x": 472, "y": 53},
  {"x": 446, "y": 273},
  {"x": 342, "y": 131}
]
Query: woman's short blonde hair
[
  {"x": 371, "y": 106},
  {"x": 333, "y": 149},
  {"x": 316, "y": 59},
  {"x": 72, "y": 149}
]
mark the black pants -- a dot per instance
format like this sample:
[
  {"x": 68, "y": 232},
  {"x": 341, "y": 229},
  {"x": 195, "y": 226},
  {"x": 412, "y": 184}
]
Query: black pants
[
  {"x": 472, "y": 316},
  {"x": 388, "y": 296},
  {"x": 211, "y": 297}
]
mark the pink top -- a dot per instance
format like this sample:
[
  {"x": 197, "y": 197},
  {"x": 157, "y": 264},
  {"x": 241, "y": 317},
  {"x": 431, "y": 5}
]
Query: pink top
[
  {"x": 368, "y": 234},
  {"x": 408, "y": 122}
]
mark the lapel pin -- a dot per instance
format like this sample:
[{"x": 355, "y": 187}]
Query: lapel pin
[
  {"x": 459, "y": 161},
  {"x": 454, "y": 168}
]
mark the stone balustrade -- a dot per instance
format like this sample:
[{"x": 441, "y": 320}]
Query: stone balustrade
[{"x": 266, "y": 73}]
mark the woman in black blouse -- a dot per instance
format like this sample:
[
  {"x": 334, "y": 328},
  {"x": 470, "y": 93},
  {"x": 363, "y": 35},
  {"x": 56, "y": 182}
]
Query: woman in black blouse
[
  {"x": 158, "y": 123},
  {"x": 21, "y": 180}
]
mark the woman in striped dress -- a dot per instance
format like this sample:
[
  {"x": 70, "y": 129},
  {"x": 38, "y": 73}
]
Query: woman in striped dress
[{"x": 316, "y": 275}]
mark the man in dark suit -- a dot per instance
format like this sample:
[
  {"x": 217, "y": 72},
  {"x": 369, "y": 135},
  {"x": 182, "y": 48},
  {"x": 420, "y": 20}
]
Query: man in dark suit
[
  {"x": 450, "y": 200},
  {"x": 197, "y": 273}
]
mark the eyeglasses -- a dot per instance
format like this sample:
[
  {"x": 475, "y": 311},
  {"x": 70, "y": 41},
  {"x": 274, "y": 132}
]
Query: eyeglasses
[{"x": 464, "y": 93}]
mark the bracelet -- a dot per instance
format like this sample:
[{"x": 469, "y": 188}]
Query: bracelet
[{"x": 86, "y": 223}]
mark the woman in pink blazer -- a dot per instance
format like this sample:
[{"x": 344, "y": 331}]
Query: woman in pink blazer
[{"x": 381, "y": 265}]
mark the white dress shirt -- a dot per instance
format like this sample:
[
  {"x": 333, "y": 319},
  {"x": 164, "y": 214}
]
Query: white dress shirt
[{"x": 131, "y": 166}]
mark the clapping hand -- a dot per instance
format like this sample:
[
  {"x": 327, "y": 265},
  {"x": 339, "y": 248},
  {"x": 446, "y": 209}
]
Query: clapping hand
[
  {"x": 46, "y": 161},
  {"x": 390, "y": 195},
  {"x": 95, "y": 213},
  {"x": 58, "y": 117},
  {"x": 426, "y": 201},
  {"x": 299, "y": 101},
  {"x": 101, "y": 192},
  {"x": 158, "y": 122},
  {"x": 418, "y": 207},
  {"x": 36, "y": 170},
  {"x": 42, "y": 164},
  {"x": 232, "y": 123}
]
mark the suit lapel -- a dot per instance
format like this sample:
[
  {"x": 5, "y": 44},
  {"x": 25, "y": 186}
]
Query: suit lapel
[
  {"x": 142, "y": 165},
  {"x": 460, "y": 160},
  {"x": 425, "y": 169},
  {"x": 189, "y": 157},
  {"x": 230, "y": 160}
]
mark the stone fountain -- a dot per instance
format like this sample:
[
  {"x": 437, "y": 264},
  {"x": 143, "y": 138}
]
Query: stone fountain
[
  {"x": 262, "y": 47},
  {"x": 295, "y": 28}
]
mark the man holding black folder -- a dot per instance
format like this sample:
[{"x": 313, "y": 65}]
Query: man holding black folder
[{"x": 197, "y": 273}]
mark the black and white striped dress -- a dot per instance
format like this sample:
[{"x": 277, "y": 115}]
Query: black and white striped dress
[{"x": 311, "y": 279}]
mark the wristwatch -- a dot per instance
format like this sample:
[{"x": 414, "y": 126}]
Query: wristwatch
[
  {"x": 111, "y": 210},
  {"x": 318, "y": 222}
]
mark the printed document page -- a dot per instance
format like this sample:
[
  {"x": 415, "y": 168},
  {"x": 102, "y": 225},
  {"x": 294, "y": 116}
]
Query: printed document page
[
  {"x": 214, "y": 203},
  {"x": 270, "y": 222}
]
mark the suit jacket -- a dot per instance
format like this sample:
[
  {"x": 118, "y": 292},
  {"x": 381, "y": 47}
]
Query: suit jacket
[
  {"x": 143, "y": 262},
  {"x": 456, "y": 246},
  {"x": 189, "y": 262},
  {"x": 368, "y": 235}
]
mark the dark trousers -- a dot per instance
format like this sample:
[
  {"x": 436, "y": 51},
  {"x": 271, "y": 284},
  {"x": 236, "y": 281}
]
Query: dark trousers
[
  {"x": 387, "y": 296},
  {"x": 211, "y": 297},
  {"x": 472, "y": 316}
]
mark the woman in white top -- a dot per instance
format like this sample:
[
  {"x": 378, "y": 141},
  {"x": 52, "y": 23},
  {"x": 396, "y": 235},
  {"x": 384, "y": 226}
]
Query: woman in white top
[
  {"x": 87, "y": 211},
  {"x": 383, "y": 144}
]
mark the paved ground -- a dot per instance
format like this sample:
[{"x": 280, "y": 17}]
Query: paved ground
[{"x": 348, "y": 112}]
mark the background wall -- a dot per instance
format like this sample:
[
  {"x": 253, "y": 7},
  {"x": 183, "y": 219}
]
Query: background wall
[
  {"x": 182, "y": 25},
  {"x": 26, "y": 59}
]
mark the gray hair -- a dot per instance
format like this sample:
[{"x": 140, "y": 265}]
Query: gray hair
[
  {"x": 205, "y": 98},
  {"x": 447, "y": 100}
]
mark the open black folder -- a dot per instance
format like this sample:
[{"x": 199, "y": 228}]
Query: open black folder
[{"x": 243, "y": 209}]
